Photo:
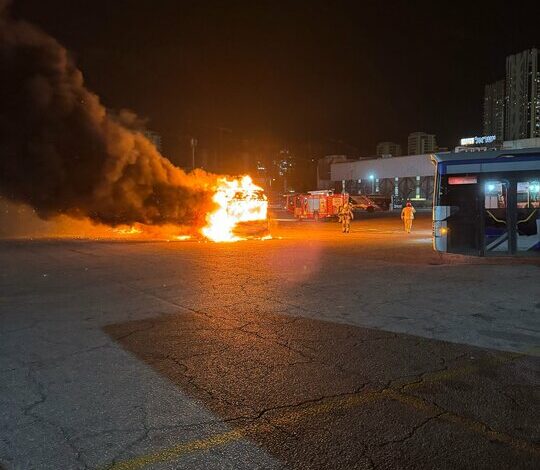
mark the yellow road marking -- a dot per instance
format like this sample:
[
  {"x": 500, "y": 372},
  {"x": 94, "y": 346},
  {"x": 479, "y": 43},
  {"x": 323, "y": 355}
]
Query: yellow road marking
[
  {"x": 491, "y": 434},
  {"x": 173, "y": 453},
  {"x": 227, "y": 437},
  {"x": 340, "y": 403},
  {"x": 467, "y": 423},
  {"x": 267, "y": 425},
  {"x": 448, "y": 374}
]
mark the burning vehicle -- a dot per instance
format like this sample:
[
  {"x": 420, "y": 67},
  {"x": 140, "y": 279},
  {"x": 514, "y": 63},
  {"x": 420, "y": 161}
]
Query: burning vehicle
[
  {"x": 102, "y": 170},
  {"x": 241, "y": 213}
]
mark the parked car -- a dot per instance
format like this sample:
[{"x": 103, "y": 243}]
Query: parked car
[{"x": 362, "y": 202}]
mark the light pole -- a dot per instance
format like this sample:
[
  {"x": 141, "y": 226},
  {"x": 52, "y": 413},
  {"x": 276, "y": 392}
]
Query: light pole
[{"x": 193, "y": 143}]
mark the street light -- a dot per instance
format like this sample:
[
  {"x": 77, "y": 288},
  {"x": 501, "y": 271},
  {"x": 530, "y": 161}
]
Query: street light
[
  {"x": 372, "y": 178},
  {"x": 193, "y": 144}
]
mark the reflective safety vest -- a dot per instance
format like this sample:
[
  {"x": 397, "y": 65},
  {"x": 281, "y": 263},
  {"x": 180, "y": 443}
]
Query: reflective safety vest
[{"x": 408, "y": 212}]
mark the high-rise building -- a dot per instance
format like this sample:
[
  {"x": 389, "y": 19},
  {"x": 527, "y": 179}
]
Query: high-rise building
[
  {"x": 522, "y": 115},
  {"x": 420, "y": 143},
  {"x": 388, "y": 149},
  {"x": 494, "y": 98}
]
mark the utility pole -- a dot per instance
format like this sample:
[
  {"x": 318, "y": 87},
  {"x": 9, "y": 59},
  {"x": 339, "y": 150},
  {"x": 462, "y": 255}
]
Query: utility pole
[{"x": 193, "y": 143}]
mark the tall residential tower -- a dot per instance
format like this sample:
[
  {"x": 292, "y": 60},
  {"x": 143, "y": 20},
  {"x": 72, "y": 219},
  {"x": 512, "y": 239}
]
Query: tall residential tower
[
  {"x": 494, "y": 98},
  {"x": 522, "y": 116}
]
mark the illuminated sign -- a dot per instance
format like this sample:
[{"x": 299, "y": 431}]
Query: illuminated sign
[
  {"x": 485, "y": 139},
  {"x": 462, "y": 180}
]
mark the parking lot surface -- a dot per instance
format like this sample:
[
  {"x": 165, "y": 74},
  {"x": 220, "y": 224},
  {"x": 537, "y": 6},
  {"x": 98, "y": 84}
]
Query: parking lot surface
[{"x": 315, "y": 349}]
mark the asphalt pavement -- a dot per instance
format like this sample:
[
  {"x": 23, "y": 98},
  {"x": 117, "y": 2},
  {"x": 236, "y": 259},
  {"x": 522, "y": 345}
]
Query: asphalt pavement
[{"x": 315, "y": 349}]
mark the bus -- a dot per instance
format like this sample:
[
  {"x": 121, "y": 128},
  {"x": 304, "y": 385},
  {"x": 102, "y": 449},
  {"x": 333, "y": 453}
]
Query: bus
[{"x": 487, "y": 203}]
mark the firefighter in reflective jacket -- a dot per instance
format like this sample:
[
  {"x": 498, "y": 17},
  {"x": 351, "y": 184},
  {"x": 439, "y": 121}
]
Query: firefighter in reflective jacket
[
  {"x": 407, "y": 215},
  {"x": 345, "y": 215}
]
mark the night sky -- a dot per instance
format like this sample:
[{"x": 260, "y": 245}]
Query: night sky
[{"x": 292, "y": 71}]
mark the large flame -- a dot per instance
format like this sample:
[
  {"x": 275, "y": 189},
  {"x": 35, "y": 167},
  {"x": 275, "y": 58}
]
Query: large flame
[
  {"x": 238, "y": 200},
  {"x": 240, "y": 213}
]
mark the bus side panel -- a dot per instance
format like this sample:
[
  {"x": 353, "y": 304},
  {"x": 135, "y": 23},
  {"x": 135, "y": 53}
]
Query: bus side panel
[
  {"x": 440, "y": 228},
  {"x": 440, "y": 214}
]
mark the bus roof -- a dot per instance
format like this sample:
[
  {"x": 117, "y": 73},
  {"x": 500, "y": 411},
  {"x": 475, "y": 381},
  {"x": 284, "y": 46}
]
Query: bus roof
[
  {"x": 451, "y": 157},
  {"x": 486, "y": 162}
]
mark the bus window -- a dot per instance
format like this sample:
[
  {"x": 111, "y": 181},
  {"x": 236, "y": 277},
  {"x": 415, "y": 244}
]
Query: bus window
[
  {"x": 528, "y": 194},
  {"x": 496, "y": 216},
  {"x": 528, "y": 216},
  {"x": 495, "y": 195}
]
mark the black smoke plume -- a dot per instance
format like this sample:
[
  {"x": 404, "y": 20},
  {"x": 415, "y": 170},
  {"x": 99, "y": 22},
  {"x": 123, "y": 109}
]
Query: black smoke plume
[{"x": 62, "y": 152}]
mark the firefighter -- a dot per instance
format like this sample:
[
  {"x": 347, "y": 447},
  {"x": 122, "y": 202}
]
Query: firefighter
[
  {"x": 345, "y": 215},
  {"x": 407, "y": 215}
]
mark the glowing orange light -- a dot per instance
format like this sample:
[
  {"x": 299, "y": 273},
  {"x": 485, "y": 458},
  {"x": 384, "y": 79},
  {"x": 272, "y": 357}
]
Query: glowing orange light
[
  {"x": 238, "y": 200},
  {"x": 127, "y": 230}
]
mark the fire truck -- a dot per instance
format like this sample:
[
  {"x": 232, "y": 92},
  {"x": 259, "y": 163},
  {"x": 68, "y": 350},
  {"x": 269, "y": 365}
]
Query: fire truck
[{"x": 315, "y": 205}]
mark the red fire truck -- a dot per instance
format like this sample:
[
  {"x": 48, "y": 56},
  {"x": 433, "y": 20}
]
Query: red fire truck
[{"x": 315, "y": 204}]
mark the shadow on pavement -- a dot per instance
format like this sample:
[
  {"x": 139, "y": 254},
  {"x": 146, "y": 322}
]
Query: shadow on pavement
[{"x": 325, "y": 396}]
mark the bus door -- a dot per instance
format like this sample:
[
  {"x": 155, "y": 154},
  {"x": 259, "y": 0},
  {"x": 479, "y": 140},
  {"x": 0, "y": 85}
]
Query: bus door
[
  {"x": 527, "y": 226},
  {"x": 496, "y": 218},
  {"x": 461, "y": 197}
]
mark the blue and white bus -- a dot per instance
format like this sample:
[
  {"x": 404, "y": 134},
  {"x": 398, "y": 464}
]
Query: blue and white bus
[{"x": 487, "y": 203}]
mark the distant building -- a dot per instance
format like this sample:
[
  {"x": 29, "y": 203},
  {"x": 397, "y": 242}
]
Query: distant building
[
  {"x": 409, "y": 177},
  {"x": 494, "y": 98},
  {"x": 323, "y": 170},
  {"x": 420, "y": 143},
  {"x": 522, "y": 114},
  {"x": 388, "y": 149},
  {"x": 283, "y": 170},
  {"x": 522, "y": 144},
  {"x": 401, "y": 178},
  {"x": 155, "y": 138}
]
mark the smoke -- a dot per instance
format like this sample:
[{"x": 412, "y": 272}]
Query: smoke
[{"x": 62, "y": 152}]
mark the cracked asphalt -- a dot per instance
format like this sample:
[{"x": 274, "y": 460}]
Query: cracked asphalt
[{"x": 313, "y": 350}]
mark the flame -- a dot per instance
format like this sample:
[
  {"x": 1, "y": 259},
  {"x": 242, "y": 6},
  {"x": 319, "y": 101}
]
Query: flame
[
  {"x": 238, "y": 200},
  {"x": 131, "y": 230}
]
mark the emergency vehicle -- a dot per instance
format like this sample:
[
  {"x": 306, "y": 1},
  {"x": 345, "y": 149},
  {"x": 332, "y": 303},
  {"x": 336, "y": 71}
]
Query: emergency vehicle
[{"x": 315, "y": 205}]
